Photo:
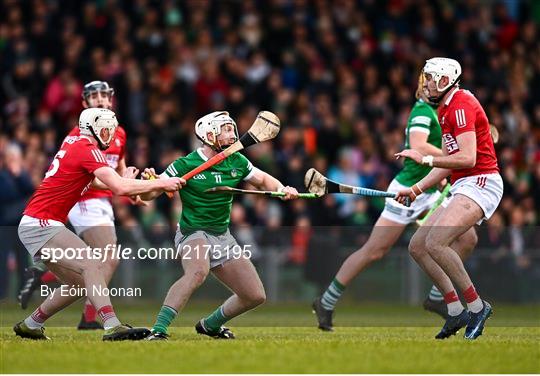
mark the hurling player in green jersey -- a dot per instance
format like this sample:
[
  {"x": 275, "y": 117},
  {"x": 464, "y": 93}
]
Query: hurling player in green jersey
[
  {"x": 203, "y": 240},
  {"x": 423, "y": 133}
]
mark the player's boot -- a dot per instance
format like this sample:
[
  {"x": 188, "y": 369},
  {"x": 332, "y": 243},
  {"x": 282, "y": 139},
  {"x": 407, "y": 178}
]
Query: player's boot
[
  {"x": 23, "y": 331},
  {"x": 157, "y": 336},
  {"x": 324, "y": 316},
  {"x": 32, "y": 280},
  {"x": 89, "y": 325},
  {"x": 436, "y": 306},
  {"x": 476, "y": 323},
  {"x": 125, "y": 332},
  {"x": 223, "y": 332},
  {"x": 453, "y": 324}
]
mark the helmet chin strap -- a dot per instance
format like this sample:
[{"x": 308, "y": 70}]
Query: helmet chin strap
[
  {"x": 437, "y": 100},
  {"x": 101, "y": 145}
]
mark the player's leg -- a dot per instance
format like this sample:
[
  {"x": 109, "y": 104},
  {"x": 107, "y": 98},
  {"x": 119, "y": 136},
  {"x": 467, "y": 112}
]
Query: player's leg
[
  {"x": 463, "y": 246},
  {"x": 384, "y": 235},
  {"x": 93, "y": 221},
  {"x": 196, "y": 265},
  {"x": 99, "y": 237},
  {"x": 90, "y": 276},
  {"x": 241, "y": 277},
  {"x": 463, "y": 213},
  {"x": 457, "y": 316}
]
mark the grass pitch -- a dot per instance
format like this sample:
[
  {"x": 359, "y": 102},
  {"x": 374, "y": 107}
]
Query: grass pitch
[{"x": 282, "y": 339}]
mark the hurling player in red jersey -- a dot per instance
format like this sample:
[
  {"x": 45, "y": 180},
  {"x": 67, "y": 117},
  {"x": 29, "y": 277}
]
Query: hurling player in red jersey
[
  {"x": 78, "y": 164},
  {"x": 92, "y": 216},
  {"x": 469, "y": 157}
]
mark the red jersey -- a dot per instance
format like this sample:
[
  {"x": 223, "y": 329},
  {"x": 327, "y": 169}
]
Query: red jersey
[
  {"x": 463, "y": 113},
  {"x": 114, "y": 153},
  {"x": 68, "y": 177}
]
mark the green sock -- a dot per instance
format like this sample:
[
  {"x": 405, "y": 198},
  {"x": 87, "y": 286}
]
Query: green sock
[
  {"x": 164, "y": 318},
  {"x": 332, "y": 295},
  {"x": 215, "y": 320}
]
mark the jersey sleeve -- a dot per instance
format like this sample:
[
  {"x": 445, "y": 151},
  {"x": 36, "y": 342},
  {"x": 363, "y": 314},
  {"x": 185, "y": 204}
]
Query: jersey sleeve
[
  {"x": 244, "y": 166},
  {"x": 121, "y": 134},
  {"x": 178, "y": 168},
  {"x": 92, "y": 158},
  {"x": 462, "y": 118},
  {"x": 420, "y": 120}
]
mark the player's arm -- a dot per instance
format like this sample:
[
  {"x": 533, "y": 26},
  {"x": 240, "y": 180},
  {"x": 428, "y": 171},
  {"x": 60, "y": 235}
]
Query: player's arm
[
  {"x": 434, "y": 177},
  {"x": 127, "y": 172},
  {"x": 128, "y": 187},
  {"x": 465, "y": 157},
  {"x": 418, "y": 140},
  {"x": 267, "y": 182}
]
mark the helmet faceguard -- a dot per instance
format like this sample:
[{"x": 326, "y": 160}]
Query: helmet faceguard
[
  {"x": 96, "y": 87},
  {"x": 212, "y": 124},
  {"x": 439, "y": 67},
  {"x": 99, "y": 123}
]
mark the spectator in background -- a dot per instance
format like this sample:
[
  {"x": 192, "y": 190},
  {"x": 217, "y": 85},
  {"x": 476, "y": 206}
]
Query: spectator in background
[{"x": 16, "y": 187}]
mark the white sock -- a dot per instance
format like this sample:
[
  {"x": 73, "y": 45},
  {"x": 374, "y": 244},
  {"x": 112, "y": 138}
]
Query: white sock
[
  {"x": 32, "y": 324},
  {"x": 455, "y": 308},
  {"x": 476, "y": 305},
  {"x": 111, "y": 323}
]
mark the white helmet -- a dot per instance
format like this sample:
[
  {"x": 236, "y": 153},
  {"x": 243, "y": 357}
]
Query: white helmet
[
  {"x": 212, "y": 123},
  {"x": 443, "y": 66},
  {"x": 95, "y": 121}
]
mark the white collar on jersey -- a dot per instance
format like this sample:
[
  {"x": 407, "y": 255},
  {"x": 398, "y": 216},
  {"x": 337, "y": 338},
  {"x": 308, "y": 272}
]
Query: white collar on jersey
[
  {"x": 447, "y": 102},
  {"x": 201, "y": 154}
]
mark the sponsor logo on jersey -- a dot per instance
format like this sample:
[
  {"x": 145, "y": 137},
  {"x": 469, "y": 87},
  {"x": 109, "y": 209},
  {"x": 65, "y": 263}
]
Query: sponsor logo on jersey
[
  {"x": 112, "y": 160},
  {"x": 199, "y": 177},
  {"x": 450, "y": 142},
  {"x": 117, "y": 143}
]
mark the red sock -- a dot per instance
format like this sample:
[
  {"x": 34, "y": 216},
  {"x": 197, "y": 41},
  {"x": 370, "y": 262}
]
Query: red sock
[
  {"x": 90, "y": 312},
  {"x": 451, "y": 297},
  {"x": 470, "y": 294},
  {"x": 48, "y": 277},
  {"x": 106, "y": 313},
  {"x": 39, "y": 316}
]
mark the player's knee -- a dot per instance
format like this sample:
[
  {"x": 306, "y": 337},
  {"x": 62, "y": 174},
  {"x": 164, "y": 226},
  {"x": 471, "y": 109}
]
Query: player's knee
[
  {"x": 471, "y": 240},
  {"x": 417, "y": 247},
  {"x": 257, "y": 297},
  {"x": 434, "y": 246},
  {"x": 378, "y": 253},
  {"x": 198, "y": 276}
]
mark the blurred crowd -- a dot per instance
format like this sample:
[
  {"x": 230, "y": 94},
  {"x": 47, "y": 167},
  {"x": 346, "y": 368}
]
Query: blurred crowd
[{"x": 340, "y": 74}]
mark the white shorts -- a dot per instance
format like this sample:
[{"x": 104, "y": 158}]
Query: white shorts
[
  {"x": 399, "y": 213},
  {"x": 34, "y": 233},
  {"x": 486, "y": 190},
  {"x": 90, "y": 213},
  {"x": 219, "y": 249}
]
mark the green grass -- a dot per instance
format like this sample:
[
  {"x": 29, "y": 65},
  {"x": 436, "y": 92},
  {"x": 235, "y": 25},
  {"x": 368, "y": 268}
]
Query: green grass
[{"x": 282, "y": 339}]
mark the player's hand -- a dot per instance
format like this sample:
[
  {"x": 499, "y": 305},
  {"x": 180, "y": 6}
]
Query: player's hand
[
  {"x": 172, "y": 184},
  {"x": 405, "y": 197},
  {"x": 137, "y": 201},
  {"x": 290, "y": 193},
  {"x": 410, "y": 153},
  {"x": 148, "y": 174},
  {"x": 130, "y": 172}
]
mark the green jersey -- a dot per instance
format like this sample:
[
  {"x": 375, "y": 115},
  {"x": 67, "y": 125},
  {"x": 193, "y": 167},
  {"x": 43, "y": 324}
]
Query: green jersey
[
  {"x": 210, "y": 212},
  {"x": 423, "y": 118}
]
